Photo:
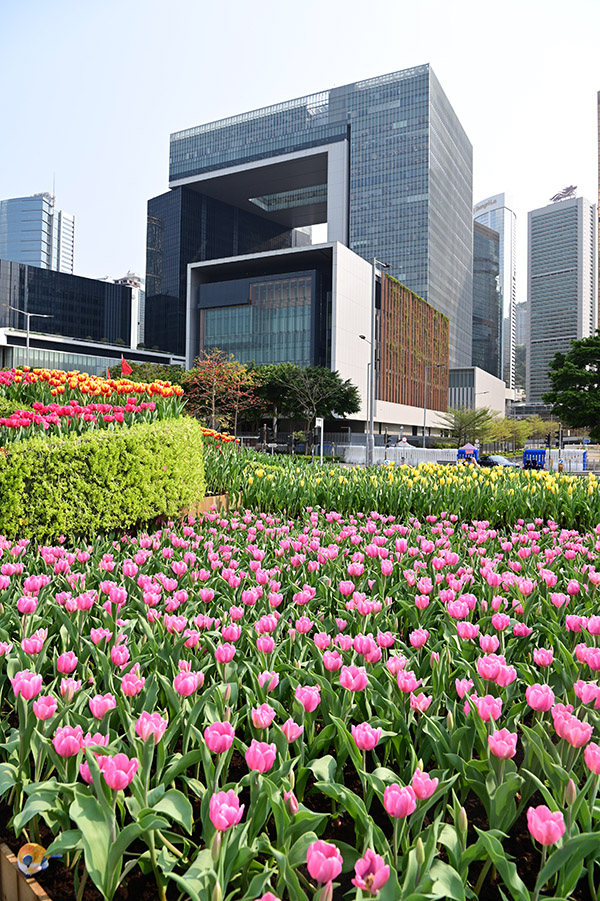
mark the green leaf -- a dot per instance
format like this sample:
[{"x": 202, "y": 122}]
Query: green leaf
[
  {"x": 324, "y": 768},
  {"x": 297, "y": 853},
  {"x": 574, "y": 850},
  {"x": 176, "y": 806},
  {"x": 8, "y": 777},
  {"x": 35, "y": 804},
  {"x": 66, "y": 841},
  {"x": 96, "y": 837},
  {"x": 446, "y": 881},
  {"x": 506, "y": 868}
]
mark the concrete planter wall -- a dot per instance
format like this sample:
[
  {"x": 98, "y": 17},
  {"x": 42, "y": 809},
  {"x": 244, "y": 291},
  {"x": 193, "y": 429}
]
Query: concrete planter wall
[{"x": 14, "y": 886}]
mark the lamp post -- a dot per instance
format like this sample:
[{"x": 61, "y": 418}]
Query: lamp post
[
  {"x": 28, "y": 315},
  {"x": 431, "y": 366},
  {"x": 371, "y": 386}
]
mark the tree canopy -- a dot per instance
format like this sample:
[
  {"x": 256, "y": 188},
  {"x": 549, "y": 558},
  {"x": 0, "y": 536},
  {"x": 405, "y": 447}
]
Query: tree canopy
[
  {"x": 297, "y": 393},
  {"x": 467, "y": 425},
  {"x": 575, "y": 381}
]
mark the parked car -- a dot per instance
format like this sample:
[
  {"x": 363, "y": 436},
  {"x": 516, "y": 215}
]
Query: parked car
[{"x": 496, "y": 460}]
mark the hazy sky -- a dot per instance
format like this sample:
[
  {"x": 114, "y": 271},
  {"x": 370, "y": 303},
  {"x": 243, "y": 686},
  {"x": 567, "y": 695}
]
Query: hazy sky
[{"x": 91, "y": 92}]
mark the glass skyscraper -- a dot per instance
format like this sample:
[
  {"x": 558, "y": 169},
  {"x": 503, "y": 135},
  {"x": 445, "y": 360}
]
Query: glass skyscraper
[
  {"x": 496, "y": 213},
  {"x": 487, "y": 300},
  {"x": 384, "y": 162},
  {"x": 33, "y": 232},
  {"x": 562, "y": 302}
]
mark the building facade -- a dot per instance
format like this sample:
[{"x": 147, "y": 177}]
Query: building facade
[
  {"x": 487, "y": 300},
  {"x": 312, "y": 306},
  {"x": 562, "y": 297},
  {"x": 76, "y": 307},
  {"x": 496, "y": 213},
  {"x": 384, "y": 163},
  {"x": 34, "y": 232}
]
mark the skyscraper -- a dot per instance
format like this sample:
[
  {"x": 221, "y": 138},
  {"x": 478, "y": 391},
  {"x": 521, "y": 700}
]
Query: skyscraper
[
  {"x": 561, "y": 285},
  {"x": 487, "y": 300},
  {"x": 496, "y": 213},
  {"x": 32, "y": 231},
  {"x": 384, "y": 162}
]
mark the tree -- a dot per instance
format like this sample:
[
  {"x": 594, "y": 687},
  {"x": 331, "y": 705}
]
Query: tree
[
  {"x": 219, "y": 389},
  {"x": 311, "y": 392},
  {"x": 467, "y": 425},
  {"x": 575, "y": 381},
  {"x": 151, "y": 372}
]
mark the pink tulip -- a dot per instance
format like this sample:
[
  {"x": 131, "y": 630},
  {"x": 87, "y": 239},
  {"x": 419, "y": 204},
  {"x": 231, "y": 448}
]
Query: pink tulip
[
  {"x": 489, "y": 644},
  {"x": 101, "y": 704},
  {"x": 98, "y": 635},
  {"x": 324, "y": 861},
  {"x": 332, "y": 661},
  {"x": 118, "y": 771},
  {"x": 545, "y": 826},
  {"x": 219, "y": 737},
  {"x": 399, "y": 802},
  {"x": 539, "y": 697},
  {"x": 309, "y": 696},
  {"x": 44, "y": 707},
  {"x": 292, "y": 730},
  {"x": 132, "y": 683},
  {"x": 186, "y": 683},
  {"x": 291, "y": 802},
  {"x": 151, "y": 724},
  {"x": 488, "y": 707},
  {"x": 66, "y": 663},
  {"x": 262, "y": 716},
  {"x": 27, "y": 605},
  {"x": 423, "y": 784},
  {"x": 265, "y": 644},
  {"x": 224, "y": 653},
  {"x": 592, "y": 757},
  {"x": 420, "y": 702},
  {"x": 407, "y": 681},
  {"x": 365, "y": 736},
  {"x": 35, "y": 643},
  {"x": 503, "y": 744},
  {"x": 119, "y": 654},
  {"x": 418, "y": 637},
  {"x": 68, "y": 687},
  {"x": 67, "y": 740},
  {"x": 371, "y": 873},
  {"x": 260, "y": 756},
  {"x": 576, "y": 733},
  {"x": 268, "y": 680},
  {"x": 463, "y": 686},
  {"x": 26, "y": 684},
  {"x": 353, "y": 678},
  {"x": 543, "y": 657}
]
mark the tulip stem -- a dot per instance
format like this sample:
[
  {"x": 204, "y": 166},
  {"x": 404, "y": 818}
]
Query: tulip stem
[
  {"x": 542, "y": 862},
  {"x": 482, "y": 875}
]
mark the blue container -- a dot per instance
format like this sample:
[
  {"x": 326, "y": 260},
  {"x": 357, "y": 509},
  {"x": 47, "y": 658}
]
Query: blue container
[
  {"x": 534, "y": 458},
  {"x": 462, "y": 454}
]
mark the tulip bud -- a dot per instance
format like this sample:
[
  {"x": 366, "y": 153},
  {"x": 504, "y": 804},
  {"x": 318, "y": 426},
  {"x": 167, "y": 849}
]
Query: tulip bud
[
  {"x": 463, "y": 823},
  {"x": 449, "y": 721},
  {"x": 217, "y": 894},
  {"x": 227, "y": 694},
  {"x": 420, "y": 764},
  {"x": 215, "y": 848},
  {"x": 570, "y": 793},
  {"x": 420, "y": 849},
  {"x": 292, "y": 780},
  {"x": 227, "y": 714}
]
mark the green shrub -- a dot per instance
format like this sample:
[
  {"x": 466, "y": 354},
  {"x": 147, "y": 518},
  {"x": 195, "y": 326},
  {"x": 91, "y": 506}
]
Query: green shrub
[
  {"x": 80, "y": 485},
  {"x": 9, "y": 405}
]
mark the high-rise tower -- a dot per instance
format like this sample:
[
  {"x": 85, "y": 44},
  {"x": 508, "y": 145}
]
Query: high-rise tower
[
  {"x": 384, "y": 162},
  {"x": 561, "y": 285},
  {"x": 32, "y": 231},
  {"x": 496, "y": 212}
]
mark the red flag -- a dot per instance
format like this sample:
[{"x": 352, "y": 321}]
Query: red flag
[
  {"x": 107, "y": 373},
  {"x": 125, "y": 367}
]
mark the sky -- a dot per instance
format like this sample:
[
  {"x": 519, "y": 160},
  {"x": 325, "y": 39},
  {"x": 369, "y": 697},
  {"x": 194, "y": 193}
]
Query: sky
[{"x": 92, "y": 91}]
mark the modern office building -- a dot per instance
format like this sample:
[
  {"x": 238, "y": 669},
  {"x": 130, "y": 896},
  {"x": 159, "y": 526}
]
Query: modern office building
[
  {"x": 138, "y": 306},
  {"x": 385, "y": 163},
  {"x": 496, "y": 212},
  {"x": 312, "y": 306},
  {"x": 475, "y": 389},
  {"x": 34, "y": 232},
  {"x": 487, "y": 300},
  {"x": 561, "y": 285},
  {"x": 72, "y": 322}
]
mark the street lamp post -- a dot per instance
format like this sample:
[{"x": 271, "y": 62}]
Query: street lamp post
[
  {"x": 371, "y": 386},
  {"x": 431, "y": 366},
  {"x": 28, "y": 316}
]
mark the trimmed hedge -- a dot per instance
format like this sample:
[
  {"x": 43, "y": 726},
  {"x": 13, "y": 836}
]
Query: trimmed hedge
[{"x": 80, "y": 485}]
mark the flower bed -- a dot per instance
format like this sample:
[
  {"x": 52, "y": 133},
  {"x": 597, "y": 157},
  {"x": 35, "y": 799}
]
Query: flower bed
[{"x": 249, "y": 705}]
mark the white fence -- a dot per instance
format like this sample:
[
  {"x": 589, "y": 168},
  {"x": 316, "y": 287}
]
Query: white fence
[{"x": 572, "y": 458}]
